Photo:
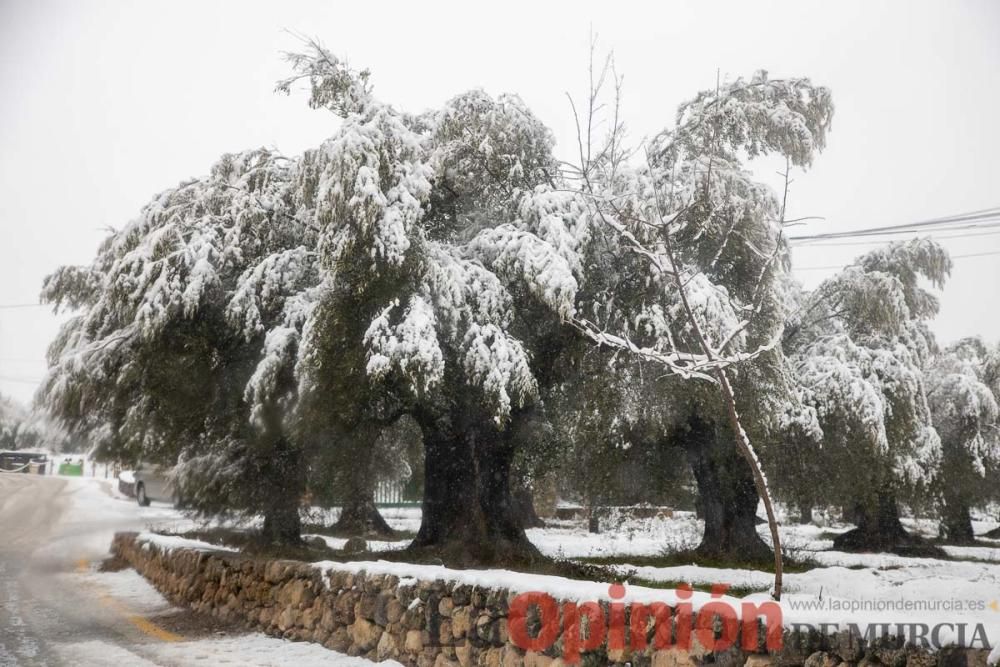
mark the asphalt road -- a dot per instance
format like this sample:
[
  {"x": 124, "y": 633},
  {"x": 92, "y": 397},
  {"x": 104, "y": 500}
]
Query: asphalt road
[{"x": 53, "y": 608}]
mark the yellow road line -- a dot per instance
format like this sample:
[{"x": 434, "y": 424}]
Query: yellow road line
[
  {"x": 142, "y": 624},
  {"x": 152, "y": 629}
]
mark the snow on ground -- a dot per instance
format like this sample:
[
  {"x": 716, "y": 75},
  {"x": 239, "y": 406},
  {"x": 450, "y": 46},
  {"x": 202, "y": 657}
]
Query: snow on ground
[
  {"x": 634, "y": 537},
  {"x": 559, "y": 587},
  {"x": 402, "y": 518},
  {"x": 95, "y": 510},
  {"x": 127, "y": 587},
  {"x": 406, "y": 519},
  {"x": 170, "y": 542},
  {"x": 132, "y": 594},
  {"x": 925, "y": 591},
  {"x": 373, "y": 545},
  {"x": 843, "y": 587},
  {"x": 657, "y": 536},
  {"x": 977, "y": 553},
  {"x": 868, "y": 587},
  {"x": 100, "y": 653},
  {"x": 258, "y": 650},
  {"x": 660, "y": 536},
  {"x": 253, "y": 650}
]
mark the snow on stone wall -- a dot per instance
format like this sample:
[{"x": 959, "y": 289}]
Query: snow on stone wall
[{"x": 437, "y": 623}]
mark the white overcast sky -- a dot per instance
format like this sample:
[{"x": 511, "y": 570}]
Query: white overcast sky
[{"x": 103, "y": 104}]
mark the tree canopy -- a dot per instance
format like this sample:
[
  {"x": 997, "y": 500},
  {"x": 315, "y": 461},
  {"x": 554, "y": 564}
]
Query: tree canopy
[{"x": 292, "y": 324}]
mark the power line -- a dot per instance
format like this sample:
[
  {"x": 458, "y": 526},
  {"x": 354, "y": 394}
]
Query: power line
[
  {"x": 885, "y": 242},
  {"x": 972, "y": 216},
  {"x": 970, "y": 219},
  {"x": 841, "y": 266},
  {"x": 984, "y": 223},
  {"x": 976, "y": 254},
  {"x": 6, "y": 306}
]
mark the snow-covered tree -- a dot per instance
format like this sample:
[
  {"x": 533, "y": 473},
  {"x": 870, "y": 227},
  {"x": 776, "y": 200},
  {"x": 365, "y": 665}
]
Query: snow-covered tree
[
  {"x": 459, "y": 242},
  {"x": 346, "y": 474},
  {"x": 448, "y": 259},
  {"x": 22, "y": 427},
  {"x": 857, "y": 347},
  {"x": 689, "y": 281},
  {"x": 617, "y": 432},
  {"x": 183, "y": 346},
  {"x": 280, "y": 304},
  {"x": 439, "y": 267},
  {"x": 13, "y": 417},
  {"x": 963, "y": 388}
]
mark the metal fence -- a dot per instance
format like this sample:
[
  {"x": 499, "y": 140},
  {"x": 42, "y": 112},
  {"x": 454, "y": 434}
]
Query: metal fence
[{"x": 392, "y": 493}]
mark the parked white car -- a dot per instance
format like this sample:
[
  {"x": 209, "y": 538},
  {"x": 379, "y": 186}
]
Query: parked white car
[{"x": 152, "y": 482}]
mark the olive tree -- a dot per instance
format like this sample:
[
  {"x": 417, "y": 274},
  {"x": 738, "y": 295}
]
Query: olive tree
[
  {"x": 963, "y": 385},
  {"x": 183, "y": 321},
  {"x": 697, "y": 247},
  {"x": 858, "y": 347}
]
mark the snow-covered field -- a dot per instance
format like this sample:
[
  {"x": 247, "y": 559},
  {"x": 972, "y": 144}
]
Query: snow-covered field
[
  {"x": 842, "y": 588},
  {"x": 399, "y": 518}
]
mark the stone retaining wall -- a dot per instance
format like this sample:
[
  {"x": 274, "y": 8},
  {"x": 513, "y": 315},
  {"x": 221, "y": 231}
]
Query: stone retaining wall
[{"x": 442, "y": 624}]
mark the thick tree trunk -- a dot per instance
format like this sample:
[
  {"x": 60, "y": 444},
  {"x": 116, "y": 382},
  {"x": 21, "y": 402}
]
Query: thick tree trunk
[
  {"x": 805, "y": 513},
  {"x": 281, "y": 485},
  {"x": 957, "y": 497},
  {"x": 849, "y": 514},
  {"x": 524, "y": 507},
  {"x": 468, "y": 510},
  {"x": 956, "y": 522},
  {"x": 726, "y": 495},
  {"x": 349, "y": 477},
  {"x": 282, "y": 524},
  {"x": 360, "y": 517},
  {"x": 879, "y": 529}
]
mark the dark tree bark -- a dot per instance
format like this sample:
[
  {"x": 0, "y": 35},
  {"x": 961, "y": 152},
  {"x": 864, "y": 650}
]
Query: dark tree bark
[
  {"x": 957, "y": 494},
  {"x": 878, "y": 526},
  {"x": 956, "y": 522},
  {"x": 727, "y": 496},
  {"x": 849, "y": 514},
  {"x": 469, "y": 516},
  {"x": 280, "y": 486},
  {"x": 282, "y": 523},
  {"x": 805, "y": 512},
  {"x": 524, "y": 507},
  {"x": 879, "y": 529},
  {"x": 359, "y": 516}
]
